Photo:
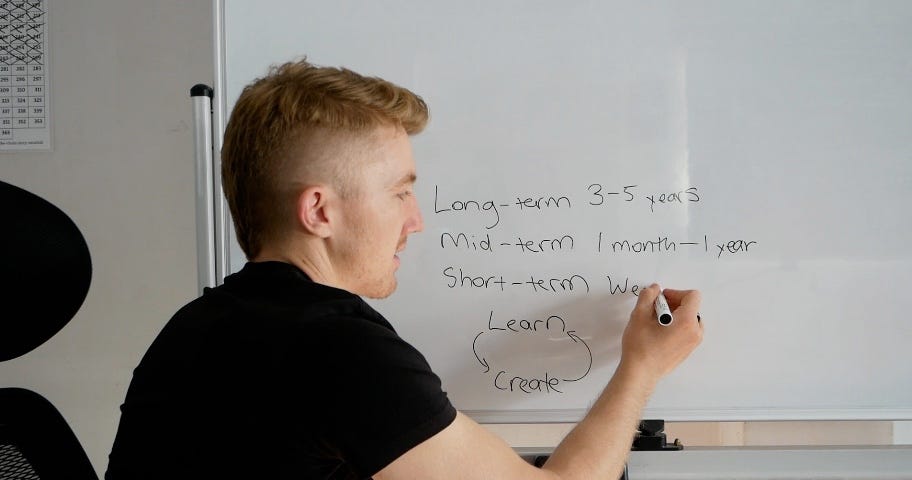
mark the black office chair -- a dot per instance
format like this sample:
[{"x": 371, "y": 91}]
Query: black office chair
[{"x": 45, "y": 271}]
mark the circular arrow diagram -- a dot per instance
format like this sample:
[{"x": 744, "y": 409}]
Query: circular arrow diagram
[{"x": 572, "y": 335}]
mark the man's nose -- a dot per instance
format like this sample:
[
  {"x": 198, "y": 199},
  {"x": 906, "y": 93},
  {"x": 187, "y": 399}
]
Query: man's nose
[{"x": 416, "y": 222}]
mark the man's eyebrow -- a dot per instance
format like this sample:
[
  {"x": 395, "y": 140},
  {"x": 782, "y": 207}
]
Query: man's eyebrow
[{"x": 407, "y": 179}]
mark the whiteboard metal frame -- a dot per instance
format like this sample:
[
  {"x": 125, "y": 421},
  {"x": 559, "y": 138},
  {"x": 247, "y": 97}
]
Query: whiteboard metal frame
[
  {"x": 213, "y": 219},
  {"x": 698, "y": 415},
  {"x": 222, "y": 216}
]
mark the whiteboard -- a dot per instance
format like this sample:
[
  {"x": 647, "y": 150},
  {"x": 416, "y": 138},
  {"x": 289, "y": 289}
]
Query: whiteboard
[{"x": 758, "y": 151}]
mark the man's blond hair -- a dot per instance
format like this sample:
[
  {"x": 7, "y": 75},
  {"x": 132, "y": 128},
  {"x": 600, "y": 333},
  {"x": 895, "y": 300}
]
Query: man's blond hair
[{"x": 274, "y": 119}]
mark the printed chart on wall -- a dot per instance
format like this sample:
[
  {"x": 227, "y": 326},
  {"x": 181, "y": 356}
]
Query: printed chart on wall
[{"x": 24, "y": 114}]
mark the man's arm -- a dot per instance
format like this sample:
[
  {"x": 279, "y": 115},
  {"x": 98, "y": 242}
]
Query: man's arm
[{"x": 598, "y": 446}]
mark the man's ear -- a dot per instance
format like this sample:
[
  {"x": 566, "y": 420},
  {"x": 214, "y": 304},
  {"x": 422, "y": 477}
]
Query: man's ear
[{"x": 312, "y": 211}]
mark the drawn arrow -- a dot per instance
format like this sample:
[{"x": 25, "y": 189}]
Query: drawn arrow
[
  {"x": 482, "y": 361},
  {"x": 577, "y": 339}
]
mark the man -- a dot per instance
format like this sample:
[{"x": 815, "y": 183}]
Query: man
[{"x": 284, "y": 372}]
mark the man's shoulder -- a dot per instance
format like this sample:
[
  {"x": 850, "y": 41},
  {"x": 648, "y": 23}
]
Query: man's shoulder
[
  {"x": 280, "y": 288},
  {"x": 276, "y": 313},
  {"x": 225, "y": 308}
]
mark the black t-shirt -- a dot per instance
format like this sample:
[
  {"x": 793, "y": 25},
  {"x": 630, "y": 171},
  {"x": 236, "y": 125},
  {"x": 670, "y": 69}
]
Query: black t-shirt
[{"x": 274, "y": 376}]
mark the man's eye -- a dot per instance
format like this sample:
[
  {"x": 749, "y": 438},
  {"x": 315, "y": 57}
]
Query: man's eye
[{"x": 403, "y": 195}]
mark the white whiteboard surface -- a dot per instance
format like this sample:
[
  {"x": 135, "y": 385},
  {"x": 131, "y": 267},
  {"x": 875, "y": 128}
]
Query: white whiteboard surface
[{"x": 779, "y": 133}]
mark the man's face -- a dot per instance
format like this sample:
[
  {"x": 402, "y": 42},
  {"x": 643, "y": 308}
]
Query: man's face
[{"x": 377, "y": 219}]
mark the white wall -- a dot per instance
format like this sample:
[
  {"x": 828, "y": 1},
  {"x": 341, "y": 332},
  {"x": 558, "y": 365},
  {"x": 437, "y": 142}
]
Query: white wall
[{"x": 122, "y": 169}]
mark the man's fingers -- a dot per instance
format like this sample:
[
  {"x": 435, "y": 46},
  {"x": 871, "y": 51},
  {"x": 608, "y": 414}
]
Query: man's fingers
[
  {"x": 687, "y": 302},
  {"x": 646, "y": 300}
]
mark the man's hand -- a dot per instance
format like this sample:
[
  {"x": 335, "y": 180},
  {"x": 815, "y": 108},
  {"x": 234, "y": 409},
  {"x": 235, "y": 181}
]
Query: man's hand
[{"x": 654, "y": 349}]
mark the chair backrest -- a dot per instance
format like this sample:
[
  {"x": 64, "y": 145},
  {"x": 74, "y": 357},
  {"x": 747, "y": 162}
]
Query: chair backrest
[
  {"x": 36, "y": 442},
  {"x": 13, "y": 464},
  {"x": 45, "y": 271}
]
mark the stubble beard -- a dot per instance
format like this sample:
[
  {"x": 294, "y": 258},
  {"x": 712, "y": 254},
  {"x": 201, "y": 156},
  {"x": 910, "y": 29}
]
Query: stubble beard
[{"x": 383, "y": 289}]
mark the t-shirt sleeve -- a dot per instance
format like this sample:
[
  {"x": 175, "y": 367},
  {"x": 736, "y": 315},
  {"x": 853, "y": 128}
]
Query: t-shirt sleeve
[{"x": 382, "y": 399}]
